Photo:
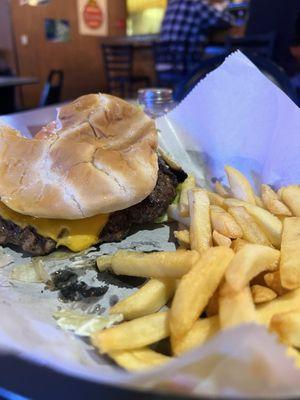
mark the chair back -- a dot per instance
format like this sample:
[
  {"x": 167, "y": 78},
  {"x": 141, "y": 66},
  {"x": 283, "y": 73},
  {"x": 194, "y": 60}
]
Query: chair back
[
  {"x": 266, "y": 66},
  {"x": 7, "y": 94},
  {"x": 51, "y": 93},
  {"x": 260, "y": 45},
  {"x": 175, "y": 59}
]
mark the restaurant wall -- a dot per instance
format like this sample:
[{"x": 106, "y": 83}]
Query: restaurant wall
[
  {"x": 80, "y": 58},
  {"x": 7, "y": 55}
]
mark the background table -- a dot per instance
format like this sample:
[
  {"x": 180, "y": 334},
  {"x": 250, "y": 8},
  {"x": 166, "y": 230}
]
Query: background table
[{"x": 6, "y": 81}]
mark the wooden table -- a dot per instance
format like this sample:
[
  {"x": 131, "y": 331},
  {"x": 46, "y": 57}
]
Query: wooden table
[{"x": 6, "y": 81}]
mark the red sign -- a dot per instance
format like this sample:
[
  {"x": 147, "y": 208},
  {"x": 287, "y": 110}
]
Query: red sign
[{"x": 93, "y": 14}]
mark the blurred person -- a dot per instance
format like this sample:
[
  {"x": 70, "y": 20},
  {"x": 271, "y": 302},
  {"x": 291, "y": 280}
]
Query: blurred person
[
  {"x": 191, "y": 21},
  {"x": 280, "y": 17}
]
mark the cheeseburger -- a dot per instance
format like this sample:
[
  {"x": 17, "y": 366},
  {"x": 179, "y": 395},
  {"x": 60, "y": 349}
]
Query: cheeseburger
[{"x": 87, "y": 178}]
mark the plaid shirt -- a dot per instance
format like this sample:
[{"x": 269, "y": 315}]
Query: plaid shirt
[{"x": 190, "y": 20}]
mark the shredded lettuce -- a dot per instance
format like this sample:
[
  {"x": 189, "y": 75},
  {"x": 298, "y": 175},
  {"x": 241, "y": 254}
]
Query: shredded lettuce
[
  {"x": 164, "y": 218},
  {"x": 84, "y": 324}
]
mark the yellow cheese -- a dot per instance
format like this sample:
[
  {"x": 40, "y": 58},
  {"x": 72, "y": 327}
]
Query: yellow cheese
[{"x": 77, "y": 235}]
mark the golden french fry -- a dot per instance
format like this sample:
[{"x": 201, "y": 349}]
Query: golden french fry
[
  {"x": 291, "y": 352},
  {"x": 290, "y": 253},
  {"x": 221, "y": 190},
  {"x": 288, "y": 302},
  {"x": 287, "y": 327},
  {"x": 267, "y": 222},
  {"x": 238, "y": 243},
  {"x": 196, "y": 288},
  {"x": 104, "y": 262},
  {"x": 221, "y": 240},
  {"x": 273, "y": 281},
  {"x": 183, "y": 238},
  {"x": 203, "y": 330},
  {"x": 188, "y": 184},
  {"x": 163, "y": 264},
  {"x": 212, "y": 307},
  {"x": 215, "y": 199},
  {"x": 250, "y": 261},
  {"x": 200, "y": 228},
  {"x": 290, "y": 195},
  {"x": 251, "y": 231},
  {"x": 206, "y": 328},
  {"x": 259, "y": 202},
  {"x": 173, "y": 213},
  {"x": 235, "y": 308},
  {"x": 133, "y": 334},
  {"x": 150, "y": 298},
  {"x": 272, "y": 202},
  {"x": 261, "y": 294},
  {"x": 224, "y": 223},
  {"x": 138, "y": 359},
  {"x": 239, "y": 185}
]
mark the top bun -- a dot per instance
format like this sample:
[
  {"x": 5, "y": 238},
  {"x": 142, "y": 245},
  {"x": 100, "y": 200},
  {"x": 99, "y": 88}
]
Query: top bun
[{"x": 99, "y": 157}]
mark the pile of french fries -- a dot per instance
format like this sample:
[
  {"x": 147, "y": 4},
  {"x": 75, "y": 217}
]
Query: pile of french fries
[{"x": 238, "y": 261}]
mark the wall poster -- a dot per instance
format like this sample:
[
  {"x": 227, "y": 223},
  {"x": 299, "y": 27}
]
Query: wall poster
[{"x": 93, "y": 17}]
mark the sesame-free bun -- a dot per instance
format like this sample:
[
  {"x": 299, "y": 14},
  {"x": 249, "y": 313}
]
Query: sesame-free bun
[{"x": 100, "y": 158}]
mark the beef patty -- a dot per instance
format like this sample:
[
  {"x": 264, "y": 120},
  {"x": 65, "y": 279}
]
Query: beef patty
[{"x": 118, "y": 225}]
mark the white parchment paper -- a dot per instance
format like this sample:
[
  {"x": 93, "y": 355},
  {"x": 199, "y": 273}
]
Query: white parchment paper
[{"x": 234, "y": 116}]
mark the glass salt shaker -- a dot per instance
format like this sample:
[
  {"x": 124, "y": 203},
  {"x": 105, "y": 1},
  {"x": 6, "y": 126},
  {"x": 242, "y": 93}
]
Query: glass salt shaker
[{"x": 156, "y": 101}]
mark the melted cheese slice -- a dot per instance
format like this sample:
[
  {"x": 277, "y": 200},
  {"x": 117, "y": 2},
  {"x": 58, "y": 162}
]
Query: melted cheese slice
[{"x": 77, "y": 235}]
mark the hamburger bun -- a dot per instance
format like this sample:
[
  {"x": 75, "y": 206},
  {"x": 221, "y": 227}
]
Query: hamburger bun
[{"x": 99, "y": 158}]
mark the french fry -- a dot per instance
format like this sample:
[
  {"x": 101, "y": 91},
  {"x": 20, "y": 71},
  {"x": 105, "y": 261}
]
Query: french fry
[
  {"x": 173, "y": 214},
  {"x": 164, "y": 264},
  {"x": 251, "y": 231},
  {"x": 262, "y": 294},
  {"x": 212, "y": 307},
  {"x": 183, "y": 238},
  {"x": 290, "y": 195},
  {"x": 273, "y": 203},
  {"x": 221, "y": 190},
  {"x": 206, "y": 328},
  {"x": 215, "y": 199},
  {"x": 224, "y": 223},
  {"x": 133, "y": 334},
  {"x": 291, "y": 352},
  {"x": 259, "y": 202},
  {"x": 196, "y": 288},
  {"x": 221, "y": 240},
  {"x": 273, "y": 281},
  {"x": 239, "y": 185},
  {"x": 268, "y": 223},
  {"x": 200, "y": 227},
  {"x": 138, "y": 359},
  {"x": 150, "y": 298},
  {"x": 287, "y": 327},
  {"x": 188, "y": 184},
  {"x": 235, "y": 308},
  {"x": 238, "y": 243},
  {"x": 288, "y": 302},
  {"x": 203, "y": 330},
  {"x": 290, "y": 253},
  {"x": 250, "y": 261}
]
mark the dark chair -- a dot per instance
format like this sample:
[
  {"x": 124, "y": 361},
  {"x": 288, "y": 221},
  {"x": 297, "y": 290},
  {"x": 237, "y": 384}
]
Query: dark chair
[
  {"x": 118, "y": 63},
  {"x": 174, "y": 60},
  {"x": 7, "y": 95},
  {"x": 51, "y": 93},
  {"x": 260, "y": 45},
  {"x": 266, "y": 66}
]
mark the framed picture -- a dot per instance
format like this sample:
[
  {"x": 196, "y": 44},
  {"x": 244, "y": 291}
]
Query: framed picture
[{"x": 93, "y": 17}]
